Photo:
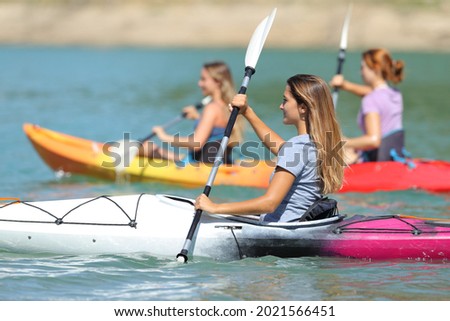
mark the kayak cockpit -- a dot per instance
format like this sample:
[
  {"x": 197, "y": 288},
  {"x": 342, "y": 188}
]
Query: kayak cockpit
[
  {"x": 254, "y": 220},
  {"x": 249, "y": 219}
]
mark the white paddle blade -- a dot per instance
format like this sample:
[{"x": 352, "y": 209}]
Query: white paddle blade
[
  {"x": 124, "y": 151},
  {"x": 206, "y": 100},
  {"x": 257, "y": 41},
  {"x": 344, "y": 35}
]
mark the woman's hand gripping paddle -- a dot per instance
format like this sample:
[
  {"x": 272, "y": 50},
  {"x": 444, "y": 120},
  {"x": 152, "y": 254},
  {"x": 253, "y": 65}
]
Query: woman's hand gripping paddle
[{"x": 124, "y": 151}]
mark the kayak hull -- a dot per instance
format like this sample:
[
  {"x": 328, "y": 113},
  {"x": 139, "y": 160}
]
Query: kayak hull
[
  {"x": 428, "y": 175},
  {"x": 157, "y": 225},
  {"x": 68, "y": 154},
  {"x": 72, "y": 155}
]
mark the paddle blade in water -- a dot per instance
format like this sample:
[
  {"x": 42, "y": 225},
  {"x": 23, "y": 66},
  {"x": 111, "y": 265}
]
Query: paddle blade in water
[
  {"x": 123, "y": 152},
  {"x": 257, "y": 41}
]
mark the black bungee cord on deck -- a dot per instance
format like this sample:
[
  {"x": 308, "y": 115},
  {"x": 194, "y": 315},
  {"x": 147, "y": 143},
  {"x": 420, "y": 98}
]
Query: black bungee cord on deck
[{"x": 60, "y": 220}]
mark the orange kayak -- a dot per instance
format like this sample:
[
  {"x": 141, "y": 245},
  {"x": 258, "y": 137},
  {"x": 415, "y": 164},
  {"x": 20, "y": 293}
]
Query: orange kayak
[
  {"x": 70, "y": 154},
  {"x": 76, "y": 155}
]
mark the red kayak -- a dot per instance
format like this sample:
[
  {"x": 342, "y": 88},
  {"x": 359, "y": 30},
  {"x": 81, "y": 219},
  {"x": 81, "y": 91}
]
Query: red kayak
[{"x": 429, "y": 175}]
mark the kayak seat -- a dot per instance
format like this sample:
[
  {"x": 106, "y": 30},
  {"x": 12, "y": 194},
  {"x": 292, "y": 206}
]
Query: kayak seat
[
  {"x": 322, "y": 208},
  {"x": 393, "y": 142},
  {"x": 207, "y": 154},
  {"x": 209, "y": 151}
]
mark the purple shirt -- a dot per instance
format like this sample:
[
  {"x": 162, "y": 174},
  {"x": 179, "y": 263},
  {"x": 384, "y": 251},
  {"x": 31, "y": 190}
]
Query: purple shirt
[{"x": 388, "y": 103}]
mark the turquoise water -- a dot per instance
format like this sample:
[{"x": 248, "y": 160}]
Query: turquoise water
[{"x": 101, "y": 93}]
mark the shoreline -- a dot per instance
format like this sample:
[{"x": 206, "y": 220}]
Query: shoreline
[{"x": 198, "y": 24}]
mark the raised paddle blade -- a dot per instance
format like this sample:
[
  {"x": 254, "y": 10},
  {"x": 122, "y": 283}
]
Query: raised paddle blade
[
  {"x": 344, "y": 34},
  {"x": 342, "y": 49},
  {"x": 258, "y": 39},
  {"x": 205, "y": 101}
]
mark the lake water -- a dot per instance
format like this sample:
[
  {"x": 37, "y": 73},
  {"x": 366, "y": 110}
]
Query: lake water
[{"x": 100, "y": 93}]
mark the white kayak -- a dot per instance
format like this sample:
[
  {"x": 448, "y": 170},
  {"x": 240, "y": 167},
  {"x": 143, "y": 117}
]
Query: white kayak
[
  {"x": 158, "y": 225},
  {"x": 154, "y": 224}
]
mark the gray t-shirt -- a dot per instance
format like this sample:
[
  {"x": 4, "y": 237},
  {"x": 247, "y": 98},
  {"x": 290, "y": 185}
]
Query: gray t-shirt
[{"x": 298, "y": 156}]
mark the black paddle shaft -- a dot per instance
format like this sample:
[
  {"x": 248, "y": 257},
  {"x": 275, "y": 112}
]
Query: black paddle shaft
[
  {"x": 341, "y": 59},
  {"x": 198, "y": 105},
  {"x": 249, "y": 71}
]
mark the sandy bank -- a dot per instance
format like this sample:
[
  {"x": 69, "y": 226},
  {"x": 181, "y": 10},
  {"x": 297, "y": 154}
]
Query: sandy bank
[{"x": 204, "y": 23}]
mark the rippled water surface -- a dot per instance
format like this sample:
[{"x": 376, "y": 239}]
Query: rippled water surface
[{"x": 101, "y": 93}]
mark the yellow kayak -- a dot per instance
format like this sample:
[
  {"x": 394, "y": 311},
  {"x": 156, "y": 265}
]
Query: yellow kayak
[{"x": 75, "y": 155}]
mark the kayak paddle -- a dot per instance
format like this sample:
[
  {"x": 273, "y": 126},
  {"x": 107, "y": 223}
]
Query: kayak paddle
[
  {"x": 205, "y": 101},
  {"x": 125, "y": 151},
  {"x": 342, "y": 50},
  {"x": 251, "y": 58}
]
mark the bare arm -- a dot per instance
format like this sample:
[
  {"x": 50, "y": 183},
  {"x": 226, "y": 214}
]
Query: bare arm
[
  {"x": 270, "y": 138},
  {"x": 200, "y": 135},
  {"x": 338, "y": 81},
  {"x": 267, "y": 203},
  {"x": 191, "y": 112},
  {"x": 357, "y": 89},
  {"x": 372, "y": 138}
]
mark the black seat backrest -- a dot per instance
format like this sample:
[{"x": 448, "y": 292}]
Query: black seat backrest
[
  {"x": 393, "y": 141},
  {"x": 322, "y": 208},
  {"x": 209, "y": 151}
]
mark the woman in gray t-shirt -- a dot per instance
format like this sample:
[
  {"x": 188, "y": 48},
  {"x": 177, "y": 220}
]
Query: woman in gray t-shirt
[{"x": 308, "y": 165}]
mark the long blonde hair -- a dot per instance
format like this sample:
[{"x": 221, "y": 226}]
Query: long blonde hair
[
  {"x": 323, "y": 128},
  {"x": 220, "y": 72},
  {"x": 380, "y": 60}
]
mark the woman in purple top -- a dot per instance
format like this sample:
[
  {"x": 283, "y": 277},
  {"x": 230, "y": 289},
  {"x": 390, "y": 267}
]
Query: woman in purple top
[{"x": 382, "y": 105}]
